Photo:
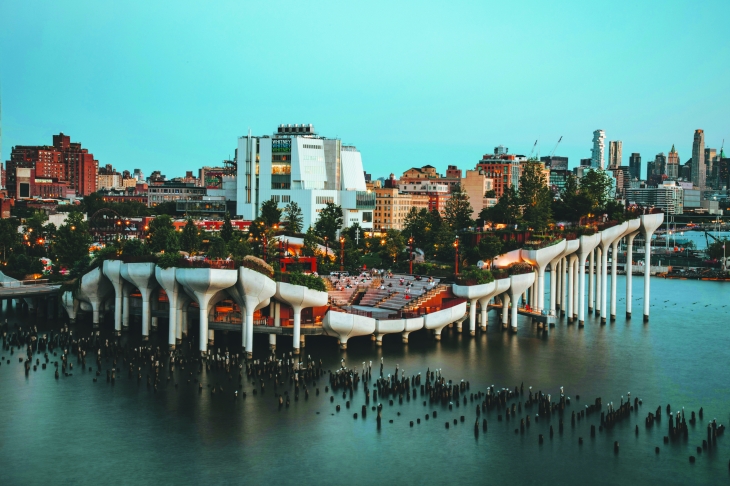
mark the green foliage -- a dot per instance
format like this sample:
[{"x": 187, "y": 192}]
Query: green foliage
[
  {"x": 351, "y": 233},
  {"x": 217, "y": 248},
  {"x": 597, "y": 184},
  {"x": 270, "y": 213},
  {"x": 535, "y": 196},
  {"x": 162, "y": 234},
  {"x": 95, "y": 201},
  {"x": 168, "y": 207},
  {"x": 257, "y": 265},
  {"x": 312, "y": 282},
  {"x": 293, "y": 217},
  {"x": 475, "y": 276},
  {"x": 458, "y": 210},
  {"x": 309, "y": 245},
  {"x": 490, "y": 246},
  {"x": 72, "y": 239},
  {"x": 190, "y": 240},
  {"x": 239, "y": 246},
  {"x": 490, "y": 193},
  {"x": 169, "y": 260},
  {"x": 9, "y": 236},
  {"x": 444, "y": 244},
  {"x": 135, "y": 248},
  {"x": 394, "y": 246},
  {"x": 329, "y": 222},
  {"x": 519, "y": 268},
  {"x": 227, "y": 229},
  {"x": 507, "y": 211}
]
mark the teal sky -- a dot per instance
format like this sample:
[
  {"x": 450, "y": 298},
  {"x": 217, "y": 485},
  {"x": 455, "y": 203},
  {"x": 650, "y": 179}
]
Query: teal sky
[{"x": 171, "y": 85}]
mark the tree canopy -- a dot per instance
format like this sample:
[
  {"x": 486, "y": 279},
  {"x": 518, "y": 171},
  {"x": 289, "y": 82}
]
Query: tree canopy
[
  {"x": 535, "y": 196},
  {"x": 190, "y": 239},
  {"x": 270, "y": 212},
  {"x": 458, "y": 210},
  {"x": 329, "y": 221},
  {"x": 162, "y": 235},
  {"x": 293, "y": 217},
  {"x": 72, "y": 239}
]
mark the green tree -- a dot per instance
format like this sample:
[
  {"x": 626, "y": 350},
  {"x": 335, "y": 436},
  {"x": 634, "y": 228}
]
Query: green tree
[
  {"x": 162, "y": 235},
  {"x": 190, "y": 240},
  {"x": 270, "y": 213},
  {"x": 394, "y": 246},
  {"x": 444, "y": 244},
  {"x": 309, "y": 245},
  {"x": 135, "y": 248},
  {"x": 9, "y": 237},
  {"x": 490, "y": 193},
  {"x": 535, "y": 196},
  {"x": 72, "y": 240},
  {"x": 716, "y": 251},
  {"x": 506, "y": 211},
  {"x": 352, "y": 234},
  {"x": 227, "y": 229},
  {"x": 329, "y": 222},
  {"x": 217, "y": 248},
  {"x": 168, "y": 207},
  {"x": 458, "y": 210},
  {"x": 597, "y": 185},
  {"x": 239, "y": 246},
  {"x": 489, "y": 247},
  {"x": 293, "y": 217}
]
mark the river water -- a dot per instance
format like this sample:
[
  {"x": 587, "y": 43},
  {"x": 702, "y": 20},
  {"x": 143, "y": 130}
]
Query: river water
[{"x": 75, "y": 431}]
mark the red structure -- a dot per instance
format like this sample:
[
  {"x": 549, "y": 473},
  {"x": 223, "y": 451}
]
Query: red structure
[{"x": 65, "y": 163}]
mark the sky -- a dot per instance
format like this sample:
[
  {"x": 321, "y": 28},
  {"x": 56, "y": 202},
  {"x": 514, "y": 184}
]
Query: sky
[{"x": 170, "y": 86}]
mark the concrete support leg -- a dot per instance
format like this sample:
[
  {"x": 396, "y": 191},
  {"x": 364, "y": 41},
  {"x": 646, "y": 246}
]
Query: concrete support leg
[
  {"x": 180, "y": 315},
  {"x": 513, "y": 322},
  {"x": 118, "y": 314},
  {"x": 404, "y": 337},
  {"x": 604, "y": 284},
  {"x": 248, "y": 343},
  {"x": 541, "y": 288},
  {"x": 571, "y": 288},
  {"x": 272, "y": 341},
  {"x": 553, "y": 285},
  {"x": 483, "y": 315},
  {"x": 472, "y": 317},
  {"x": 211, "y": 337},
  {"x": 203, "y": 340},
  {"x": 629, "y": 271},
  {"x": 614, "y": 273},
  {"x": 297, "y": 328},
  {"x": 126, "y": 289},
  {"x": 563, "y": 286},
  {"x": 172, "y": 325},
  {"x": 599, "y": 272},
  {"x": 303, "y": 341},
  {"x": 647, "y": 276},
  {"x": 591, "y": 277},
  {"x": 154, "y": 305},
  {"x": 146, "y": 317},
  {"x": 581, "y": 291},
  {"x": 505, "y": 310},
  {"x": 95, "y": 314}
]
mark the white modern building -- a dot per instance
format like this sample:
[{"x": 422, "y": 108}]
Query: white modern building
[
  {"x": 599, "y": 146},
  {"x": 669, "y": 197},
  {"x": 296, "y": 164}
]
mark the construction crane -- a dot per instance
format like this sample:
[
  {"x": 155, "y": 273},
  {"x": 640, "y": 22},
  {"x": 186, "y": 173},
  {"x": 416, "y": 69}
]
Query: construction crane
[
  {"x": 556, "y": 146},
  {"x": 533, "y": 149}
]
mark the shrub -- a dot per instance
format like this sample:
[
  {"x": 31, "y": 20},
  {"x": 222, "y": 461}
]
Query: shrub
[
  {"x": 474, "y": 276},
  {"x": 168, "y": 260},
  {"x": 257, "y": 265},
  {"x": 312, "y": 282},
  {"x": 520, "y": 268}
]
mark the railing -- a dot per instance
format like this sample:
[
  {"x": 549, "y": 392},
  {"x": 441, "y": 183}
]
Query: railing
[{"x": 25, "y": 283}]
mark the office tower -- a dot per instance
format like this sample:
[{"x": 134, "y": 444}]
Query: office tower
[
  {"x": 635, "y": 166},
  {"x": 711, "y": 167},
  {"x": 672, "y": 169},
  {"x": 614, "y": 153},
  {"x": 599, "y": 139},
  {"x": 698, "y": 160}
]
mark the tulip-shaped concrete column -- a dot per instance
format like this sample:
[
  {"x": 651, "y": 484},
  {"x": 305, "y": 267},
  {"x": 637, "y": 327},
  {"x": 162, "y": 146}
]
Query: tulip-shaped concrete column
[
  {"x": 142, "y": 276},
  {"x": 166, "y": 278},
  {"x": 474, "y": 293},
  {"x": 586, "y": 246},
  {"x": 113, "y": 271},
  {"x": 608, "y": 236},
  {"x": 591, "y": 282},
  {"x": 540, "y": 259},
  {"x": 95, "y": 289},
  {"x": 629, "y": 270},
  {"x": 572, "y": 262},
  {"x": 630, "y": 227},
  {"x": 253, "y": 289},
  {"x": 500, "y": 285},
  {"x": 299, "y": 297},
  {"x": 649, "y": 224},
  {"x": 570, "y": 247},
  {"x": 181, "y": 327},
  {"x": 517, "y": 285},
  {"x": 69, "y": 303},
  {"x": 203, "y": 285}
]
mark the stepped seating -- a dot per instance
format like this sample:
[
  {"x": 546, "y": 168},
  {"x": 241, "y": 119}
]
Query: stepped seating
[
  {"x": 373, "y": 296},
  {"x": 397, "y": 300}
]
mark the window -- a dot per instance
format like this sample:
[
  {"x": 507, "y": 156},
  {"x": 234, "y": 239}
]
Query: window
[
  {"x": 325, "y": 199},
  {"x": 285, "y": 198}
]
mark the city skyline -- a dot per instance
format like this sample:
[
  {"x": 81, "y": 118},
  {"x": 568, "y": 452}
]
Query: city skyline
[{"x": 377, "y": 88}]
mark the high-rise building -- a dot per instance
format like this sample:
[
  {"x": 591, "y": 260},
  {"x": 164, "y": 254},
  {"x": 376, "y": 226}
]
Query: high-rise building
[
  {"x": 635, "y": 166},
  {"x": 296, "y": 164},
  {"x": 698, "y": 160},
  {"x": 64, "y": 163},
  {"x": 649, "y": 169},
  {"x": 503, "y": 168},
  {"x": 711, "y": 167},
  {"x": 555, "y": 162},
  {"x": 597, "y": 153},
  {"x": 667, "y": 196},
  {"x": 672, "y": 169},
  {"x": 614, "y": 153}
]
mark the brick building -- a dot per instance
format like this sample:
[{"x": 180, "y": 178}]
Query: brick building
[{"x": 52, "y": 167}]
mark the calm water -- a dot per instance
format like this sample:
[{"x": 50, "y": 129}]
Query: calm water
[{"x": 76, "y": 431}]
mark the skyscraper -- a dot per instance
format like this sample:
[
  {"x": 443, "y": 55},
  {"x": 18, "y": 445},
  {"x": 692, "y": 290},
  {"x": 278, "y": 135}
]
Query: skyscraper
[
  {"x": 614, "y": 153},
  {"x": 635, "y": 166},
  {"x": 698, "y": 160},
  {"x": 710, "y": 167},
  {"x": 599, "y": 143},
  {"x": 672, "y": 170}
]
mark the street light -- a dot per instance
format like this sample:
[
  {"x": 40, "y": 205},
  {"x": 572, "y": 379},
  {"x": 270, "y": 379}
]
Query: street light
[
  {"x": 410, "y": 255},
  {"x": 342, "y": 253},
  {"x": 456, "y": 247}
]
